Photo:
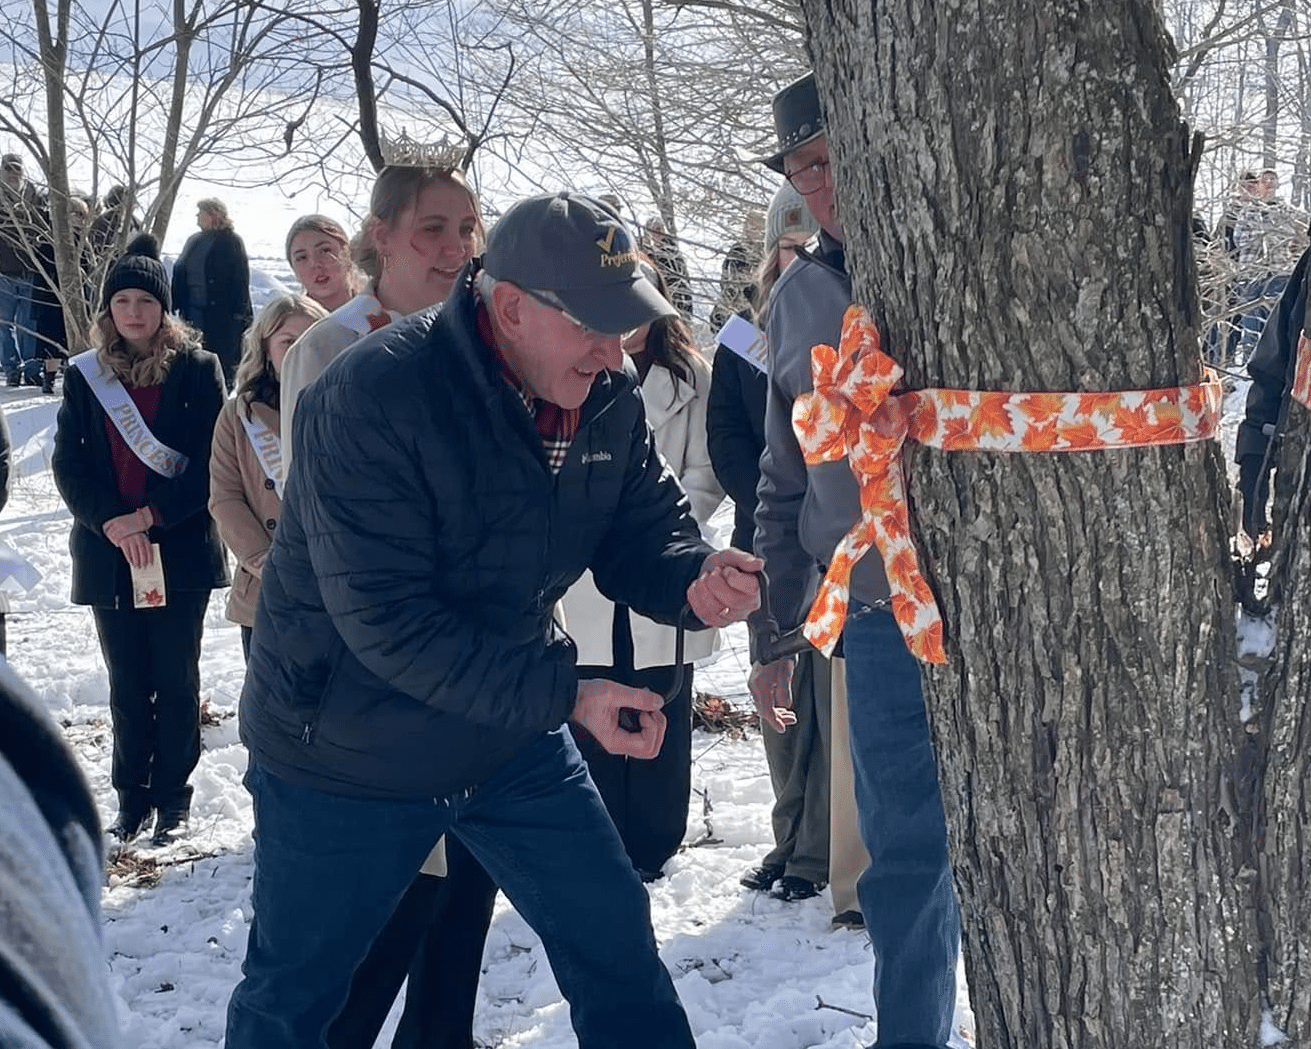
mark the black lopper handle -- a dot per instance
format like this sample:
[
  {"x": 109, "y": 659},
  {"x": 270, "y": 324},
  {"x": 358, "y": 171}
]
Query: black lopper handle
[{"x": 629, "y": 719}]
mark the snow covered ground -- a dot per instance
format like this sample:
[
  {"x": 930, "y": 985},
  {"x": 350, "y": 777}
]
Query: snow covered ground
[{"x": 750, "y": 969}]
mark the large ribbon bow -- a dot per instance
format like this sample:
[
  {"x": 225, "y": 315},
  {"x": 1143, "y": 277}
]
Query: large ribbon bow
[{"x": 855, "y": 413}]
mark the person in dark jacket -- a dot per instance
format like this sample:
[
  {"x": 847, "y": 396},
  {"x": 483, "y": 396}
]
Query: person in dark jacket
[
  {"x": 137, "y": 481},
  {"x": 211, "y": 285},
  {"x": 407, "y": 678},
  {"x": 21, "y": 225},
  {"x": 54, "y": 987},
  {"x": 1271, "y": 369},
  {"x": 663, "y": 250},
  {"x": 115, "y": 222}
]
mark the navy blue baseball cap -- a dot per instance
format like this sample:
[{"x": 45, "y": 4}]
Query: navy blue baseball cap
[{"x": 579, "y": 253}]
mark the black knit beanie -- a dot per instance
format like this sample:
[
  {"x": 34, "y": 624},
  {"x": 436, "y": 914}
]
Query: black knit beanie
[{"x": 139, "y": 268}]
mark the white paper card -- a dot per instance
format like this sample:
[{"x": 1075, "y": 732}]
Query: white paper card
[{"x": 148, "y": 583}]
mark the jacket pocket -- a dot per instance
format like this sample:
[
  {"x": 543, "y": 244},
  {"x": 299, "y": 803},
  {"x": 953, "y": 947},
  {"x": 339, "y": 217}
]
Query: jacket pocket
[{"x": 313, "y": 715}]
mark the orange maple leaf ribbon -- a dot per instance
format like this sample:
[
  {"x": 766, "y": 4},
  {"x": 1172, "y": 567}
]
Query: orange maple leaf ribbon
[
  {"x": 857, "y": 412},
  {"x": 1301, "y": 390}
]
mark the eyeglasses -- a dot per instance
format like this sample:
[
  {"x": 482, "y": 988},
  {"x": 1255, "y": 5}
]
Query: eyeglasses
[
  {"x": 546, "y": 298},
  {"x": 812, "y": 177}
]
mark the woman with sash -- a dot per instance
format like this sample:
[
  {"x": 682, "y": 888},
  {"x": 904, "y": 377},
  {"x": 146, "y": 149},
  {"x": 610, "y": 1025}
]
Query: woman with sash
[
  {"x": 245, "y": 465},
  {"x": 422, "y": 228},
  {"x": 132, "y": 462},
  {"x": 319, "y": 253}
]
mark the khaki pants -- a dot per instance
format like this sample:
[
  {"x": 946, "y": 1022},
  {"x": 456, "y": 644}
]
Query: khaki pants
[{"x": 847, "y": 858}]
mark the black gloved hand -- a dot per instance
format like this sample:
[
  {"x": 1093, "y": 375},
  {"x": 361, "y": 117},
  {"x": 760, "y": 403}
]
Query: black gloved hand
[{"x": 1254, "y": 485}]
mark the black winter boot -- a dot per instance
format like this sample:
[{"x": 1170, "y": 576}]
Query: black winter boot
[
  {"x": 170, "y": 825},
  {"x": 131, "y": 821}
]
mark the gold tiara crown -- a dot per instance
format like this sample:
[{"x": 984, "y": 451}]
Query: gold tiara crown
[{"x": 405, "y": 152}]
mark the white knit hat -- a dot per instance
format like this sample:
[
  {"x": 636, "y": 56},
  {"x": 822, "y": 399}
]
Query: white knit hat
[{"x": 788, "y": 213}]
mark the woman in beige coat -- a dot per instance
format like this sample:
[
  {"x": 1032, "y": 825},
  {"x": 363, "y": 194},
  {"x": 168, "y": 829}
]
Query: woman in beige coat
[
  {"x": 245, "y": 464},
  {"x": 648, "y": 800}
]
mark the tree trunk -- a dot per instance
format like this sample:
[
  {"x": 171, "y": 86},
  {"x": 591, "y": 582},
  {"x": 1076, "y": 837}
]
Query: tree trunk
[
  {"x": 170, "y": 175},
  {"x": 1286, "y": 885},
  {"x": 1016, "y": 190},
  {"x": 366, "y": 96},
  {"x": 1274, "y": 87},
  {"x": 67, "y": 242}
]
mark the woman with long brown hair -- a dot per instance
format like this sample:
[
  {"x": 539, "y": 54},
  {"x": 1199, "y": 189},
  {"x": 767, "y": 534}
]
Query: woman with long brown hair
[
  {"x": 319, "y": 253},
  {"x": 132, "y": 462},
  {"x": 422, "y": 228},
  {"x": 648, "y": 800},
  {"x": 245, "y": 466}
]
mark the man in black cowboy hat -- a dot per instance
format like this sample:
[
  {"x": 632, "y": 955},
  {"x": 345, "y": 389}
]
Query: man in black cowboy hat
[{"x": 906, "y": 893}]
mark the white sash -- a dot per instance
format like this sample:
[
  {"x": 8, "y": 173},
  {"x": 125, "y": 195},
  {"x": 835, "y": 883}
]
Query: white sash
[
  {"x": 267, "y": 446},
  {"x": 127, "y": 419},
  {"x": 746, "y": 340},
  {"x": 363, "y": 314}
]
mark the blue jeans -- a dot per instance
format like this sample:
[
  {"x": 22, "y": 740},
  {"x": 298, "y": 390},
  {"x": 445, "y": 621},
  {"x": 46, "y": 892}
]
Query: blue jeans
[
  {"x": 17, "y": 339},
  {"x": 329, "y": 871},
  {"x": 906, "y": 893},
  {"x": 1254, "y": 318}
]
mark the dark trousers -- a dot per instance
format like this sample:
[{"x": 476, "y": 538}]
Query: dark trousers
[
  {"x": 330, "y": 871},
  {"x": 647, "y": 800},
  {"x": 799, "y": 769},
  {"x": 153, "y": 659},
  {"x": 246, "y": 633},
  {"x": 435, "y": 936}
]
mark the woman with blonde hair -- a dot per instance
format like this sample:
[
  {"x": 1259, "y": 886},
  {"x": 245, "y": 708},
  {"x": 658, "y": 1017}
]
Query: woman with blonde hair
[
  {"x": 245, "y": 465},
  {"x": 211, "y": 284},
  {"x": 423, "y": 227},
  {"x": 132, "y": 462},
  {"x": 319, "y": 254}
]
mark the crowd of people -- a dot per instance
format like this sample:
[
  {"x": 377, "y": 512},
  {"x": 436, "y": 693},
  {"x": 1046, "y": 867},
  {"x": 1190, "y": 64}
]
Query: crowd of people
[
  {"x": 465, "y": 479},
  {"x": 1245, "y": 265},
  {"x": 34, "y": 342}
]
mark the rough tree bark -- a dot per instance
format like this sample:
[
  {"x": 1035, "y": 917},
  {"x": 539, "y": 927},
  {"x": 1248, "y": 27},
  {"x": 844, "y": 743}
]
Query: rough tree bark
[
  {"x": 1286, "y": 802},
  {"x": 1015, "y": 185}
]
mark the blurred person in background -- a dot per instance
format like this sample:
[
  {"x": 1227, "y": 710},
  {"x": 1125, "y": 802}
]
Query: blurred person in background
[{"x": 211, "y": 285}]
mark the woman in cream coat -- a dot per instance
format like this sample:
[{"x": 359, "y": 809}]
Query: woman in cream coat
[
  {"x": 422, "y": 228},
  {"x": 245, "y": 484},
  {"x": 648, "y": 800}
]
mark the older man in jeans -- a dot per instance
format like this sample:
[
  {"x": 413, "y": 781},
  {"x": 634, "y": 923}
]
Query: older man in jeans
[
  {"x": 407, "y": 678},
  {"x": 906, "y": 894}
]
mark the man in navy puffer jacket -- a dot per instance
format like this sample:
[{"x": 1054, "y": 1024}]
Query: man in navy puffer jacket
[{"x": 455, "y": 474}]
